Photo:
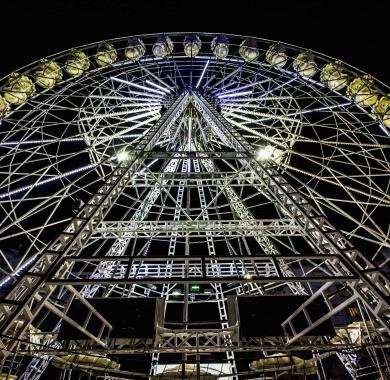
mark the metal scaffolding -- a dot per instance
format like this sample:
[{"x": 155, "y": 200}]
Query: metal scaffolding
[{"x": 194, "y": 215}]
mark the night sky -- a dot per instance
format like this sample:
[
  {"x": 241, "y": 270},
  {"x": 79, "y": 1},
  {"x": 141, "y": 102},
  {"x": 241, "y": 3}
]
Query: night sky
[{"x": 344, "y": 29}]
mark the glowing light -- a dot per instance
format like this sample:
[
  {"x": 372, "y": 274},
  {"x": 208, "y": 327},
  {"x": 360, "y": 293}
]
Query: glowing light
[
  {"x": 176, "y": 292},
  {"x": 122, "y": 156},
  {"x": 167, "y": 91},
  {"x": 195, "y": 288},
  {"x": 265, "y": 153},
  {"x": 203, "y": 72},
  {"x": 247, "y": 276},
  {"x": 192, "y": 45},
  {"x": 235, "y": 94},
  {"x": 220, "y": 47},
  {"x": 137, "y": 86},
  {"x": 47, "y": 180},
  {"x": 19, "y": 271},
  {"x": 162, "y": 47}
]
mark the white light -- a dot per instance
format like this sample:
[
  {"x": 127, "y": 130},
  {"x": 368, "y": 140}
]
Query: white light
[
  {"x": 176, "y": 292},
  {"x": 148, "y": 166},
  {"x": 235, "y": 94},
  {"x": 137, "y": 86},
  {"x": 167, "y": 91},
  {"x": 247, "y": 276},
  {"x": 45, "y": 181},
  {"x": 122, "y": 156},
  {"x": 18, "y": 271},
  {"x": 265, "y": 153},
  {"x": 244, "y": 87},
  {"x": 203, "y": 72}
]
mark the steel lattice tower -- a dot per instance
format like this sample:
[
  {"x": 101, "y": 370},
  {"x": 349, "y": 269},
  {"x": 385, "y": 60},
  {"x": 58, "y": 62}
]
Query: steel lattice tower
[{"x": 194, "y": 206}]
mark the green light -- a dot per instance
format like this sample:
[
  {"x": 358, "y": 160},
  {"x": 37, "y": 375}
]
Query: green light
[{"x": 194, "y": 288}]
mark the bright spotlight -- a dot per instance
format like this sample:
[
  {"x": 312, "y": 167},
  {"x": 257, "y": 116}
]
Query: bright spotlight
[
  {"x": 265, "y": 153},
  {"x": 122, "y": 156}
]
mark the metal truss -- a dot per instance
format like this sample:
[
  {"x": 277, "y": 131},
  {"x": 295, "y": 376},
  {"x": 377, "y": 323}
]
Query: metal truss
[
  {"x": 221, "y": 302},
  {"x": 171, "y": 251},
  {"x": 256, "y": 181},
  {"x": 120, "y": 229},
  {"x": 21, "y": 302},
  {"x": 318, "y": 230},
  {"x": 213, "y": 269},
  {"x": 243, "y": 213},
  {"x": 210, "y": 269},
  {"x": 192, "y": 341}
]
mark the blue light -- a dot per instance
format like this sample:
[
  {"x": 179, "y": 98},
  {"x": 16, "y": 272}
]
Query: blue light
[{"x": 202, "y": 75}]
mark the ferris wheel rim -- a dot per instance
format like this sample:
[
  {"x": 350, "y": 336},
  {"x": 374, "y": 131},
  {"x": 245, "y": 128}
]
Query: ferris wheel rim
[
  {"x": 382, "y": 87},
  {"x": 234, "y": 60}
]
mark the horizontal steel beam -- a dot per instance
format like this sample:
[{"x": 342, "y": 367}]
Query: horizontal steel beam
[
  {"x": 204, "y": 270},
  {"x": 145, "y": 179},
  {"x": 184, "y": 228},
  {"x": 191, "y": 155},
  {"x": 199, "y": 280},
  {"x": 143, "y": 346},
  {"x": 215, "y": 258}
]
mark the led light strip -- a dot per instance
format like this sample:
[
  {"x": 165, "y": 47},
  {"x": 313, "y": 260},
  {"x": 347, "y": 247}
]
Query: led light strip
[
  {"x": 48, "y": 180},
  {"x": 202, "y": 75},
  {"x": 235, "y": 94},
  {"x": 70, "y": 139},
  {"x": 167, "y": 91},
  {"x": 137, "y": 86}
]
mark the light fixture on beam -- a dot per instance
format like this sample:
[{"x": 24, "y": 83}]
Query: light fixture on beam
[
  {"x": 122, "y": 156},
  {"x": 265, "y": 153},
  {"x": 195, "y": 288}
]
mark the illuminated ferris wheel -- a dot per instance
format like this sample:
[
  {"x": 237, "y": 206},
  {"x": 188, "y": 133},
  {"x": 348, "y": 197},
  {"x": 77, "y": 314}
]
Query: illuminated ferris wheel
[{"x": 203, "y": 175}]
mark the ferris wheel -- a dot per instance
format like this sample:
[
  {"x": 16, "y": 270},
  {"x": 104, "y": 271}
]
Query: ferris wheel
[{"x": 182, "y": 113}]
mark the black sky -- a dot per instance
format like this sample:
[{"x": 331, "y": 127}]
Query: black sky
[{"x": 358, "y": 34}]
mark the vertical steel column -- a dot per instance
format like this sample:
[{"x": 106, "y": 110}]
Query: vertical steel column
[
  {"x": 221, "y": 302},
  {"x": 171, "y": 252}
]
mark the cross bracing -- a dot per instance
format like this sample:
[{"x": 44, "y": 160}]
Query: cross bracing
[{"x": 193, "y": 180}]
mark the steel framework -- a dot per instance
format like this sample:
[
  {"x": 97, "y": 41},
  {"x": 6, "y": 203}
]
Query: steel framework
[{"x": 196, "y": 180}]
